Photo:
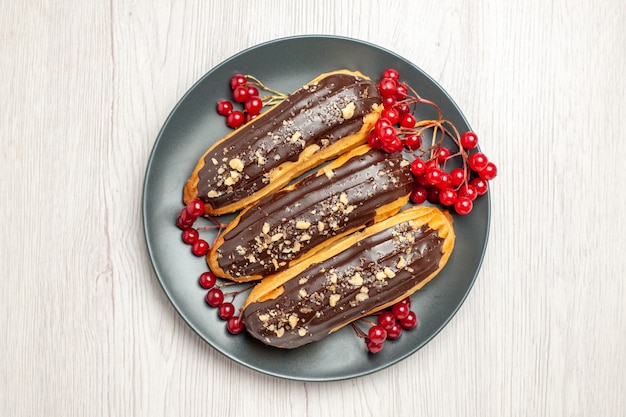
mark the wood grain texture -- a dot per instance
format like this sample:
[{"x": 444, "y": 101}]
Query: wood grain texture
[{"x": 86, "y": 330}]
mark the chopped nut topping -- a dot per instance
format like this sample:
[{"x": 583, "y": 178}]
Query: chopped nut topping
[
  {"x": 302, "y": 225},
  {"x": 301, "y": 332},
  {"x": 332, "y": 301},
  {"x": 356, "y": 280},
  {"x": 333, "y": 276},
  {"x": 212, "y": 194},
  {"x": 295, "y": 137},
  {"x": 266, "y": 228},
  {"x": 237, "y": 164},
  {"x": 401, "y": 263},
  {"x": 343, "y": 197},
  {"x": 280, "y": 332},
  {"x": 360, "y": 297},
  {"x": 348, "y": 111},
  {"x": 293, "y": 321},
  {"x": 215, "y": 162},
  {"x": 380, "y": 275},
  {"x": 302, "y": 293},
  {"x": 389, "y": 272}
]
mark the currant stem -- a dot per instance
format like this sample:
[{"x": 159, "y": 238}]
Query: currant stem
[
  {"x": 360, "y": 333},
  {"x": 255, "y": 81}
]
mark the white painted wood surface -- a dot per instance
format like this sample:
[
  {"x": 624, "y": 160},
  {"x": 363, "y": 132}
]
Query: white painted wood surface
[{"x": 85, "y": 330}]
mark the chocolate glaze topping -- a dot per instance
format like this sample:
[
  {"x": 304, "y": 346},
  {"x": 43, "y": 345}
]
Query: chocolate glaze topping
[
  {"x": 336, "y": 291},
  {"x": 320, "y": 114},
  {"x": 284, "y": 225}
]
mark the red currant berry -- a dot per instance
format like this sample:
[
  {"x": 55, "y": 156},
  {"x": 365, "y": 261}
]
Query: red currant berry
[
  {"x": 443, "y": 154},
  {"x": 445, "y": 181},
  {"x": 394, "y": 331},
  {"x": 421, "y": 181},
  {"x": 433, "y": 175},
  {"x": 248, "y": 117},
  {"x": 401, "y": 92},
  {"x": 207, "y": 280},
  {"x": 393, "y": 145},
  {"x": 253, "y": 105},
  {"x": 400, "y": 311},
  {"x": 418, "y": 195},
  {"x": 391, "y": 114},
  {"x": 235, "y": 325},
  {"x": 386, "y": 319},
  {"x": 389, "y": 102},
  {"x": 214, "y": 297},
  {"x": 190, "y": 235},
  {"x": 195, "y": 207},
  {"x": 374, "y": 141},
  {"x": 185, "y": 219},
  {"x": 463, "y": 205},
  {"x": 386, "y": 134},
  {"x": 406, "y": 300},
  {"x": 403, "y": 108},
  {"x": 226, "y": 310},
  {"x": 373, "y": 347},
  {"x": 234, "y": 119},
  {"x": 224, "y": 107},
  {"x": 432, "y": 194},
  {"x": 388, "y": 87},
  {"x": 469, "y": 191},
  {"x": 252, "y": 91},
  {"x": 240, "y": 94},
  {"x": 413, "y": 141},
  {"x": 237, "y": 80},
  {"x": 407, "y": 121},
  {"x": 457, "y": 177},
  {"x": 200, "y": 247},
  {"x": 447, "y": 196},
  {"x": 391, "y": 73},
  {"x": 478, "y": 161},
  {"x": 409, "y": 321},
  {"x": 418, "y": 167},
  {"x": 183, "y": 224},
  {"x": 480, "y": 185},
  {"x": 382, "y": 123},
  {"x": 489, "y": 172},
  {"x": 432, "y": 163},
  {"x": 377, "y": 334},
  {"x": 469, "y": 140}
]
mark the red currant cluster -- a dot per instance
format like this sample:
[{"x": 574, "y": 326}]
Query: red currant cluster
[
  {"x": 390, "y": 325},
  {"x": 187, "y": 217},
  {"x": 437, "y": 179},
  {"x": 200, "y": 247},
  {"x": 215, "y": 298},
  {"x": 245, "y": 91}
]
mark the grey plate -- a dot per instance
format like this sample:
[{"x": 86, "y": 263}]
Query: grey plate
[{"x": 286, "y": 64}]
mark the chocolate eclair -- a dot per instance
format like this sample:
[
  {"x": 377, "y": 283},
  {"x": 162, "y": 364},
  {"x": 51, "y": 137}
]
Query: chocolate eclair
[
  {"x": 330, "y": 115},
  {"x": 356, "y": 276},
  {"x": 359, "y": 188}
]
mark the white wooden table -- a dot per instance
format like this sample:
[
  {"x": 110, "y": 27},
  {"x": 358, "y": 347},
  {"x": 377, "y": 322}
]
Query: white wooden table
[{"x": 87, "y": 331}]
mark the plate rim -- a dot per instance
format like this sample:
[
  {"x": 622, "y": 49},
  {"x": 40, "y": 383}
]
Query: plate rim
[{"x": 151, "y": 250}]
